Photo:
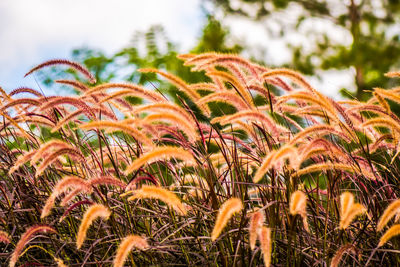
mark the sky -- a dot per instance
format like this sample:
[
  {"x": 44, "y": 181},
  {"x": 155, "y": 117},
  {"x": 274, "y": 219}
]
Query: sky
[{"x": 33, "y": 31}]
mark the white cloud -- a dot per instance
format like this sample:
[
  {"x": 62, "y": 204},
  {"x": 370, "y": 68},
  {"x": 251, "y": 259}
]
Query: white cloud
[{"x": 33, "y": 31}]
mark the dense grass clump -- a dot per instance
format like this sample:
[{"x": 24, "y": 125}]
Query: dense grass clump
[{"x": 291, "y": 178}]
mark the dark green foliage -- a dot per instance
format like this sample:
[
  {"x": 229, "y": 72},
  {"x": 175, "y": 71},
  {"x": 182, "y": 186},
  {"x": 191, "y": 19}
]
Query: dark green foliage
[{"x": 373, "y": 27}]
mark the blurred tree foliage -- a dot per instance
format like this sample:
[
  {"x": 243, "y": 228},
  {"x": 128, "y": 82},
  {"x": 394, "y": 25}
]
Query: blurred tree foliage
[
  {"x": 153, "y": 49},
  {"x": 373, "y": 25}
]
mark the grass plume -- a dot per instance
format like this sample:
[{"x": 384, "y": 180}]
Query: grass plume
[
  {"x": 25, "y": 238},
  {"x": 266, "y": 245},
  {"x": 390, "y": 211},
  {"x": 129, "y": 242},
  {"x": 164, "y": 152},
  {"x": 91, "y": 214},
  {"x": 162, "y": 194},
  {"x": 225, "y": 212},
  {"x": 71, "y": 64},
  {"x": 391, "y": 232},
  {"x": 256, "y": 222}
]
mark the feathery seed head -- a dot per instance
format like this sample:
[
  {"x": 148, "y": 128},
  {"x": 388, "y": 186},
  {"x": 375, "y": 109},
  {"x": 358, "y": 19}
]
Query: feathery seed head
[
  {"x": 92, "y": 213},
  {"x": 226, "y": 211},
  {"x": 390, "y": 211},
  {"x": 25, "y": 238},
  {"x": 391, "y": 232},
  {"x": 129, "y": 242},
  {"x": 162, "y": 194},
  {"x": 256, "y": 222},
  {"x": 266, "y": 245}
]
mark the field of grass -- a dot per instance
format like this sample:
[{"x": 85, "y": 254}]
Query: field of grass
[{"x": 252, "y": 167}]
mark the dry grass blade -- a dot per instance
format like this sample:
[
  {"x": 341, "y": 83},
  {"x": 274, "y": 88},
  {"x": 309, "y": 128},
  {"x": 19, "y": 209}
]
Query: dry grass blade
[
  {"x": 25, "y": 90},
  {"x": 21, "y": 160},
  {"x": 386, "y": 122},
  {"x": 188, "y": 128},
  {"x": 317, "y": 129},
  {"x": 230, "y": 207},
  {"x": 21, "y": 101},
  {"x": 273, "y": 158},
  {"x": 92, "y": 213},
  {"x": 328, "y": 167},
  {"x": 382, "y": 102},
  {"x": 106, "y": 180},
  {"x": 162, "y": 194},
  {"x": 251, "y": 115},
  {"x": 15, "y": 124},
  {"x": 298, "y": 203},
  {"x": 226, "y": 96},
  {"x": 393, "y": 74},
  {"x": 242, "y": 91},
  {"x": 76, "y": 84},
  {"x": 74, "y": 101},
  {"x": 165, "y": 106}
]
